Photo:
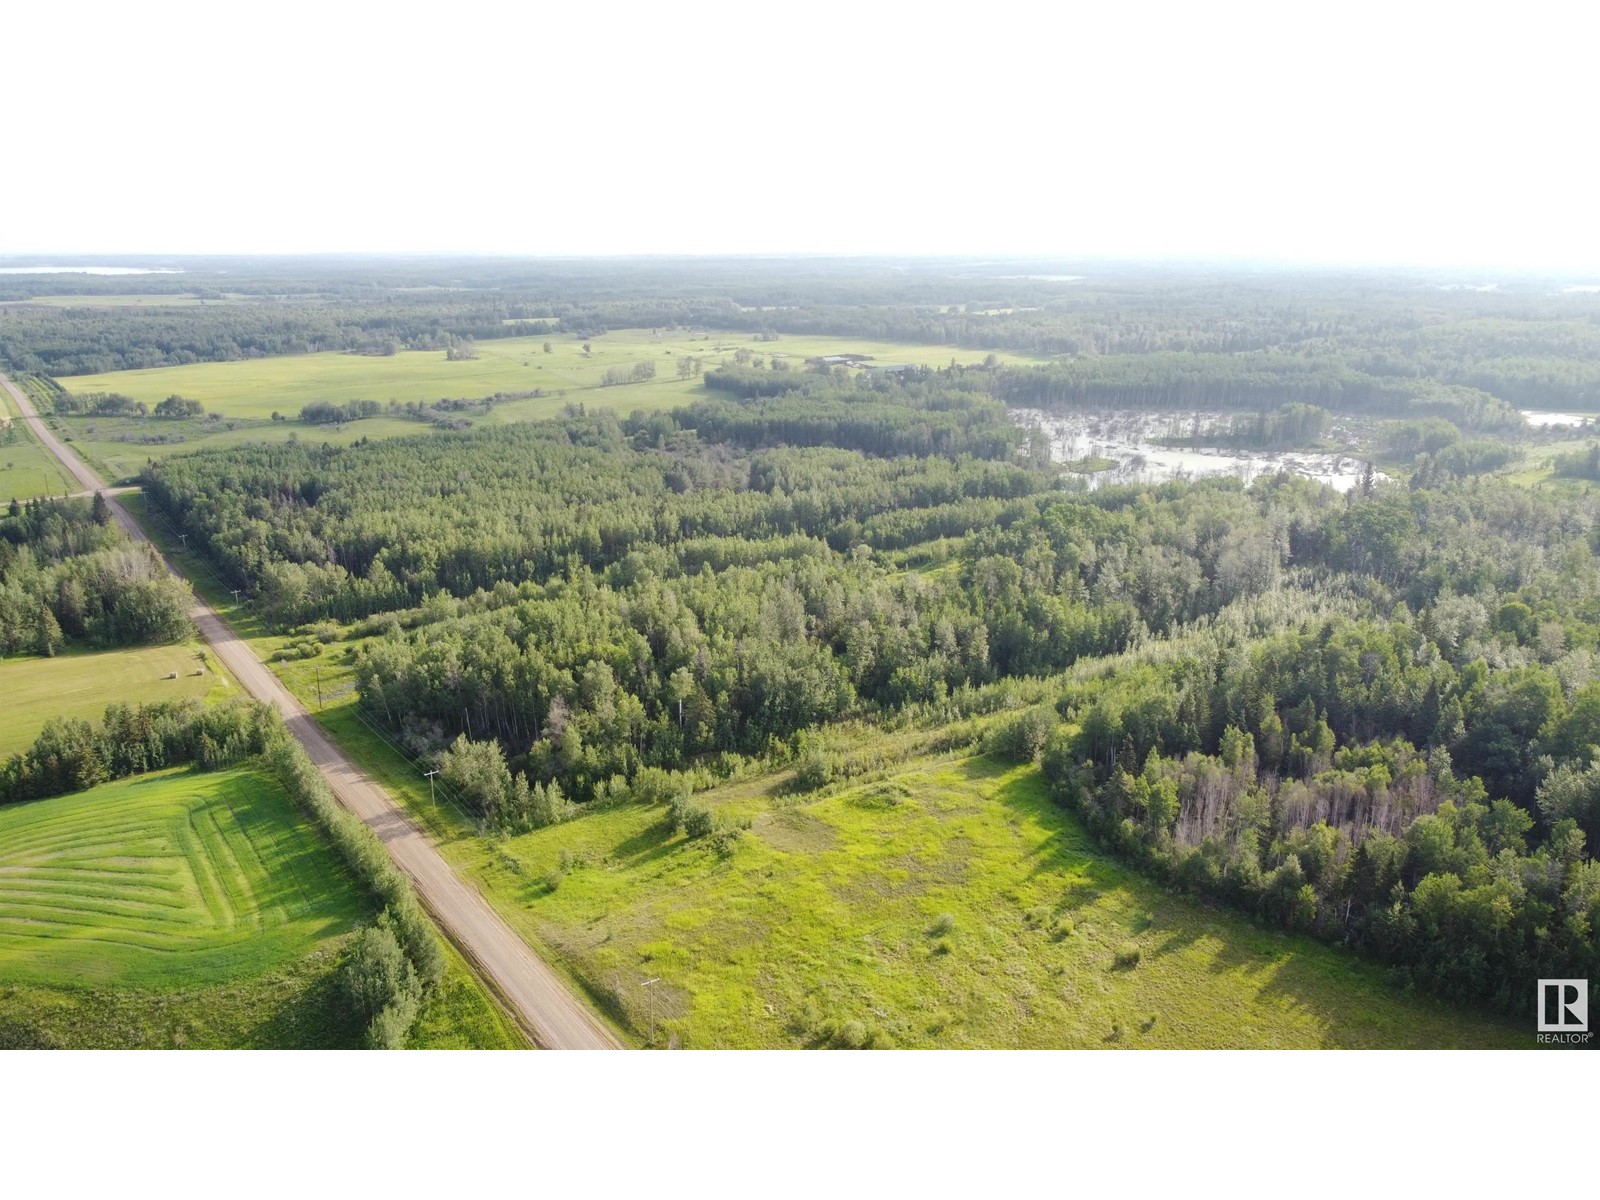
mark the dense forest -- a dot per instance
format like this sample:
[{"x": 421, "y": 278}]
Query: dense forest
[{"x": 68, "y": 574}]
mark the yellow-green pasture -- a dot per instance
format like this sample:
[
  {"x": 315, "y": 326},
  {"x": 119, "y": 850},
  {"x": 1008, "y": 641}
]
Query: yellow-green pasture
[
  {"x": 81, "y": 682},
  {"x": 947, "y": 903},
  {"x": 246, "y": 394},
  {"x": 256, "y": 388}
]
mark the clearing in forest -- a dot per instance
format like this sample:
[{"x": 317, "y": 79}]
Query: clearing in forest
[
  {"x": 948, "y": 904},
  {"x": 79, "y": 683}
]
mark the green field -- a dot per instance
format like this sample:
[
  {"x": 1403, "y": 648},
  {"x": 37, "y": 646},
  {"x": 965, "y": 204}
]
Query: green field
[
  {"x": 246, "y": 394},
  {"x": 460, "y": 1015},
  {"x": 1537, "y": 467},
  {"x": 80, "y": 683},
  {"x": 27, "y": 469},
  {"x": 170, "y": 879},
  {"x": 258, "y": 387},
  {"x": 181, "y": 909},
  {"x": 948, "y": 905}
]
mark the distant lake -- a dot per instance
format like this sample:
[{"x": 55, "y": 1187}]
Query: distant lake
[
  {"x": 1545, "y": 420},
  {"x": 90, "y": 271}
]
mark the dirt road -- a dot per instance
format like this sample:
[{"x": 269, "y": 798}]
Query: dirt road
[{"x": 551, "y": 1014}]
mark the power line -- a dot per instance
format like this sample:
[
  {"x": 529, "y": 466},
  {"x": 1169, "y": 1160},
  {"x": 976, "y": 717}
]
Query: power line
[{"x": 465, "y": 808}]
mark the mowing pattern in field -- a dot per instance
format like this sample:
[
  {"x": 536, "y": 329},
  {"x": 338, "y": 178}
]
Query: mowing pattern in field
[{"x": 172, "y": 879}]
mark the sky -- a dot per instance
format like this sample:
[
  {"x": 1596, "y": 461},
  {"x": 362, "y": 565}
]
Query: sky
[{"x": 1351, "y": 133}]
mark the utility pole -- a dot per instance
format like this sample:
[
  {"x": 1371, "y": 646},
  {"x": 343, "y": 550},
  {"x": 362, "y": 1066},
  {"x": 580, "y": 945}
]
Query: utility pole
[
  {"x": 236, "y": 592},
  {"x": 433, "y": 798},
  {"x": 184, "y": 538},
  {"x": 318, "y": 672}
]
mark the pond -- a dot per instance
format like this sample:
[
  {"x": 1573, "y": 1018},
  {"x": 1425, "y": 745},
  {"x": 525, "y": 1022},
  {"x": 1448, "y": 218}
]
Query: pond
[{"x": 1130, "y": 441}]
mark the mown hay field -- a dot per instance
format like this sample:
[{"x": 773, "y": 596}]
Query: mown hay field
[
  {"x": 79, "y": 683},
  {"x": 175, "y": 878}
]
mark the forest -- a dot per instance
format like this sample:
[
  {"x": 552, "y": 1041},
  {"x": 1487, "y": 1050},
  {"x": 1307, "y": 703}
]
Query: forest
[{"x": 68, "y": 574}]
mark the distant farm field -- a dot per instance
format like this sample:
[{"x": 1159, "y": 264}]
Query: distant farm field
[
  {"x": 125, "y": 300},
  {"x": 246, "y": 394},
  {"x": 258, "y": 387},
  {"x": 170, "y": 879},
  {"x": 80, "y": 683}
]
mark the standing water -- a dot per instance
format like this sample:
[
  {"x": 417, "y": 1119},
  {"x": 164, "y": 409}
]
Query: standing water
[{"x": 1127, "y": 447}]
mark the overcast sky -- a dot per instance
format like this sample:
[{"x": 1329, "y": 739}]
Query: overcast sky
[{"x": 1317, "y": 132}]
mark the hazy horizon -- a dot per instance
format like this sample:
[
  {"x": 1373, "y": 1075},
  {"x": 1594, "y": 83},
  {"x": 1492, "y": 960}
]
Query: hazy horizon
[{"x": 137, "y": 263}]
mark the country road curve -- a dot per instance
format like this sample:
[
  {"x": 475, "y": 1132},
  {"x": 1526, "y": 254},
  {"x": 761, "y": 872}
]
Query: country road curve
[{"x": 541, "y": 1002}]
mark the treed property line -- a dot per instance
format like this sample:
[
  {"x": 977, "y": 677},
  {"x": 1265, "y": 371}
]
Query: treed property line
[
  {"x": 440, "y": 788},
  {"x": 541, "y": 1002}
]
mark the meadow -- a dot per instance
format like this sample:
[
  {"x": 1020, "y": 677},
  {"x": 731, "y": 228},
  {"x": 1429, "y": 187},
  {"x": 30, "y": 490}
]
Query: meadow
[
  {"x": 246, "y": 394},
  {"x": 949, "y": 904},
  {"x": 258, "y": 387},
  {"x": 79, "y": 683},
  {"x": 946, "y": 903}
]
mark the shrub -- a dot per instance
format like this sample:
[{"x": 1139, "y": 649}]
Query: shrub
[
  {"x": 1023, "y": 738},
  {"x": 697, "y": 822},
  {"x": 382, "y": 986},
  {"x": 376, "y": 971},
  {"x": 392, "y": 1025},
  {"x": 653, "y": 785},
  {"x": 694, "y": 819},
  {"x": 814, "y": 769},
  {"x": 852, "y": 1035}
]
